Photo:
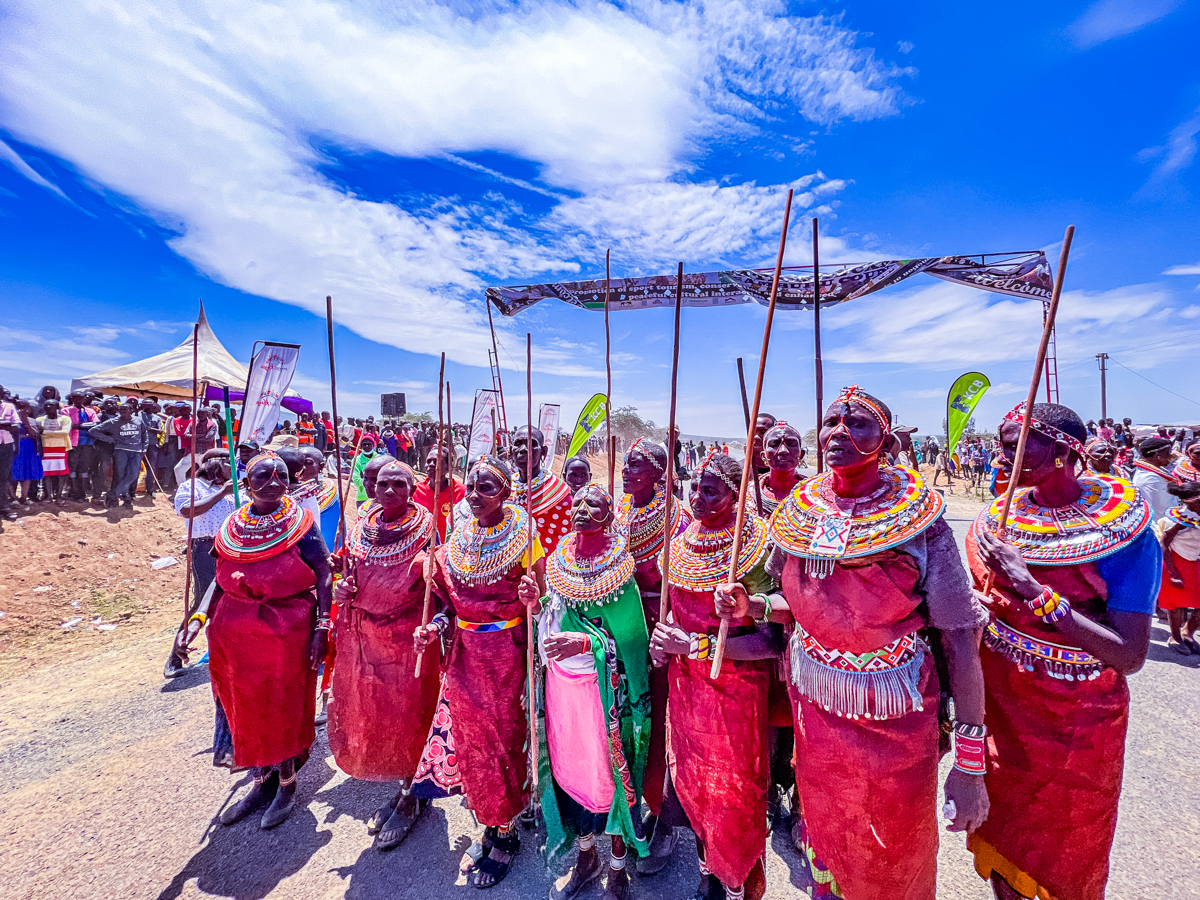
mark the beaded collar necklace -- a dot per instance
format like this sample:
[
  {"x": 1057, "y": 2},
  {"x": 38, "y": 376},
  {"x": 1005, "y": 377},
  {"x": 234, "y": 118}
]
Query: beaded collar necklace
[
  {"x": 476, "y": 555},
  {"x": 390, "y": 543},
  {"x": 246, "y": 536},
  {"x": 644, "y": 525},
  {"x": 305, "y": 489},
  {"x": 1181, "y": 515},
  {"x": 1109, "y": 515},
  {"x": 700, "y": 556},
  {"x": 1157, "y": 470},
  {"x": 591, "y": 581},
  {"x": 328, "y": 494},
  {"x": 1185, "y": 471},
  {"x": 548, "y": 491},
  {"x": 816, "y": 525}
]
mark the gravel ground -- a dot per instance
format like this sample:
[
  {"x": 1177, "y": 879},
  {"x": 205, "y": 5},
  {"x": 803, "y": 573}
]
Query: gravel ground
[{"x": 106, "y": 791}]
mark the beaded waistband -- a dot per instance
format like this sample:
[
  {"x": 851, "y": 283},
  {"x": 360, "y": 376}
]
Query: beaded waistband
[
  {"x": 878, "y": 684},
  {"x": 1056, "y": 660},
  {"x": 484, "y": 627}
]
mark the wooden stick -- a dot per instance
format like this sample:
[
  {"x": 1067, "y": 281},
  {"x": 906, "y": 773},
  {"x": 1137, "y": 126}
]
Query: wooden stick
[
  {"x": 426, "y": 612},
  {"x": 187, "y": 575},
  {"x": 453, "y": 460},
  {"x": 747, "y": 466},
  {"x": 664, "y": 599},
  {"x": 608, "y": 371},
  {"x": 819, "y": 373},
  {"x": 496, "y": 356},
  {"x": 529, "y": 635},
  {"x": 1047, "y": 330},
  {"x": 337, "y": 430},
  {"x": 746, "y": 410}
]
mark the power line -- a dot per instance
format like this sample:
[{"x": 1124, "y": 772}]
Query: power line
[{"x": 1155, "y": 383}]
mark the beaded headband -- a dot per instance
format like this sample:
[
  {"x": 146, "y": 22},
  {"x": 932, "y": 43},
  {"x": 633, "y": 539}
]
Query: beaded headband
[
  {"x": 489, "y": 465},
  {"x": 637, "y": 445},
  {"x": 704, "y": 466},
  {"x": 855, "y": 394},
  {"x": 260, "y": 457},
  {"x": 404, "y": 467},
  {"x": 1044, "y": 428},
  {"x": 781, "y": 425}
]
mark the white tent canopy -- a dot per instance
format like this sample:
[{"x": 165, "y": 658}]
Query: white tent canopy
[{"x": 170, "y": 374}]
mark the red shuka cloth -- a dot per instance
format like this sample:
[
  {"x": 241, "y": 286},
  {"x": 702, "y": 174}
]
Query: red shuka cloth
[
  {"x": 258, "y": 656},
  {"x": 423, "y": 495},
  {"x": 868, "y": 787},
  {"x": 718, "y": 746},
  {"x": 485, "y": 689},
  {"x": 1056, "y": 748},
  {"x": 1186, "y": 597},
  {"x": 380, "y": 714},
  {"x": 649, "y": 583}
]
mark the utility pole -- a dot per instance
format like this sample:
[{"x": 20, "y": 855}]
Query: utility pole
[{"x": 1102, "y": 358}]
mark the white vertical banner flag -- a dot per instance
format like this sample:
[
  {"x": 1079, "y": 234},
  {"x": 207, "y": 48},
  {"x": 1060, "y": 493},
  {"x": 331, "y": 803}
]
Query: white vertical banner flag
[
  {"x": 548, "y": 416},
  {"x": 270, "y": 376},
  {"x": 483, "y": 434}
]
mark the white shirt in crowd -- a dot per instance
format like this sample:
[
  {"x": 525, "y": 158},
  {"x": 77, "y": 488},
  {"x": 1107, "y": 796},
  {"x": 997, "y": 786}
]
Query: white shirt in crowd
[{"x": 209, "y": 523}]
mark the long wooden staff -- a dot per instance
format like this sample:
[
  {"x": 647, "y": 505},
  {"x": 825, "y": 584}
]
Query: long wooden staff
[
  {"x": 612, "y": 462},
  {"x": 453, "y": 461},
  {"x": 664, "y": 599},
  {"x": 187, "y": 577},
  {"x": 748, "y": 466},
  {"x": 337, "y": 429},
  {"x": 426, "y": 612},
  {"x": 533, "y": 743},
  {"x": 1047, "y": 331},
  {"x": 818, "y": 363},
  {"x": 496, "y": 356},
  {"x": 746, "y": 410}
]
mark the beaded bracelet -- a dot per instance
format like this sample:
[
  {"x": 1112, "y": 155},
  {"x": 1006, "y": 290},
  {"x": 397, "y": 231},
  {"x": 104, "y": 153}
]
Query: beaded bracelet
[
  {"x": 324, "y": 623},
  {"x": 198, "y": 617},
  {"x": 441, "y": 622},
  {"x": 1049, "y": 606},
  {"x": 701, "y": 647},
  {"x": 969, "y": 751},
  {"x": 766, "y": 616}
]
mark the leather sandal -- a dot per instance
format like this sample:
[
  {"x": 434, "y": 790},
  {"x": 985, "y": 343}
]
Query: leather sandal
[{"x": 493, "y": 868}]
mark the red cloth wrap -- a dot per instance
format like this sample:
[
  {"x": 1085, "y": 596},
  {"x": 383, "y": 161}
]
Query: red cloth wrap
[
  {"x": 258, "y": 656},
  {"x": 718, "y": 746},
  {"x": 868, "y": 787},
  {"x": 1056, "y": 748},
  {"x": 1186, "y": 597},
  {"x": 485, "y": 689},
  {"x": 380, "y": 714},
  {"x": 649, "y": 583}
]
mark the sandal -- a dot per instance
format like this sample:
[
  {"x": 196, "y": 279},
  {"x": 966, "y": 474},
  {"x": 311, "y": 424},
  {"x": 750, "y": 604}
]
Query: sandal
[
  {"x": 398, "y": 825},
  {"x": 492, "y": 868},
  {"x": 477, "y": 851},
  {"x": 1192, "y": 645},
  {"x": 381, "y": 815},
  {"x": 1179, "y": 647}
]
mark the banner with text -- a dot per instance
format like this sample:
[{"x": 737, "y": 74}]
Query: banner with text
[
  {"x": 966, "y": 391},
  {"x": 591, "y": 418},
  {"x": 270, "y": 376},
  {"x": 483, "y": 424},
  {"x": 548, "y": 416},
  {"x": 1025, "y": 274}
]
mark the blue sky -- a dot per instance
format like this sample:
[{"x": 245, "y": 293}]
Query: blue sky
[{"x": 402, "y": 158}]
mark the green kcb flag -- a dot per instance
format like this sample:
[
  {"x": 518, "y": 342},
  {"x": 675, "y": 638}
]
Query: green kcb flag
[
  {"x": 590, "y": 419},
  {"x": 960, "y": 403}
]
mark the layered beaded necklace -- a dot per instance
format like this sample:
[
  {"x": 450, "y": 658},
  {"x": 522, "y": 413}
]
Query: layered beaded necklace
[
  {"x": 700, "y": 556},
  {"x": 391, "y": 543},
  {"x": 246, "y": 536},
  {"x": 593, "y": 580},
  {"x": 644, "y": 525},
  {"x": 476, "y": 555},
  {"x": 1181, "y": 515}
]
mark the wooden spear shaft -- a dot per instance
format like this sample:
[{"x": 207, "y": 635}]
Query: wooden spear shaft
[
  {"x": 187, "y": 578},
  {"x": 1047, "y": 330},
  {"x": 529, "y": 635},
  {"x": 608, "y": 371},
  {"x": 819, "y": 364},
  {"x": 664, "y": 600},
  {"x": 337, "y": 436},
  {"x": 426, "y": 612},
  {"x": 746, "y": 411},
  {"x": 453, "y": 460},
  {"x": 748, "y": 465}
]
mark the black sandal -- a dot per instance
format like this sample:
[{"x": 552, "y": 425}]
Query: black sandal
[
  {"x": 510, "y": 844},
  {"x": 398, "y": 825},
  {"x": 477, "y": 851}
]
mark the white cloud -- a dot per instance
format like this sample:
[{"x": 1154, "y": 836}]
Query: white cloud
[
  {"x": 1177, "y": 155},
  {"x": 28, "y": 356},
  {"x": 10, "y": 156},
  {"x": 1183, "y": 270},
  {"x": 1110, "y": 19},
  {"x": 208, "y": 116}
]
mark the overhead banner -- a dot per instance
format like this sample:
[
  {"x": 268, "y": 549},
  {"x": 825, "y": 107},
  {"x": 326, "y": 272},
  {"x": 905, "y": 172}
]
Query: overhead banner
[
  {"x": 548, "y": 416},
  {"x": 270, "y": 376},
  {"x": 590, "y": 419},
  {"x": 966, "y": 391},
  {"x": 482, "y": 439},
  {"x": 1025, "y": 274}
]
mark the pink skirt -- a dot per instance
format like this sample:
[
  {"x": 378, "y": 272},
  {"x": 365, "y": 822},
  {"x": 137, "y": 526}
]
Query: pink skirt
[{"x": 578, "y": 739}]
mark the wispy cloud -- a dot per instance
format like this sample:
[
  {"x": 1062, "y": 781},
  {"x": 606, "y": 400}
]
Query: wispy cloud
[
  {"x": 1177, "y": 154},
  {"x": 1110, "y": 19},
  {"x": 1193, "y": 269},
  {"x": 206, "y": 115},
  {"x": 10, "y": 156}
]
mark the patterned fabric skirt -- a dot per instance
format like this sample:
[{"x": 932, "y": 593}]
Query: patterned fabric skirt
[
  {"x": 54, "y": 461},
  {"x": 437, "y": 774}
]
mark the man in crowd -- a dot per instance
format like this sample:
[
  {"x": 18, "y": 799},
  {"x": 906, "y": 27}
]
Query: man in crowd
[
  {"x": 128, "y": 437},
  {"x": 148, "y": 411},
  {"x": 9, "y": 423}
]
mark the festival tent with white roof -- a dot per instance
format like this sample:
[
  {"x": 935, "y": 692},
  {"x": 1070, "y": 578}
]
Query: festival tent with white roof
[{"x": 170, "y": 374}]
